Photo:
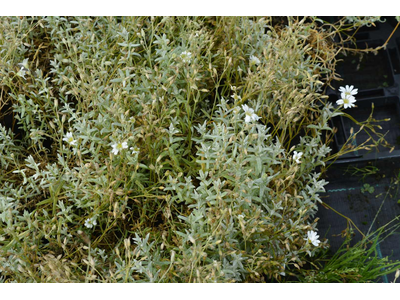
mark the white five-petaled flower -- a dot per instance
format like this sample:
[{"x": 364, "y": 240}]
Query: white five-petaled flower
[
  {"x": 312, "y": 238},
  {"x": 250, "y": 115},
  {"x": 118, "y": 147},
  {"x": 69, "y": 139},
  {"x": 297, "y": 156},
  {"x": 348, "y": 91},
  {"x": 254, "y": 60},
  {"x": 134, "y": 150},
  {"x": 236, "y": 97},
  {"x": 185, "y": 56},
  {"x": 91, "y": 222},
  {"x": 347, "y": 102}
]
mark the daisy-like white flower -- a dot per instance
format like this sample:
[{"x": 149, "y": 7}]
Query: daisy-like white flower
[
  {"x": 297, "y": 156},
  {"x": 347, "y": 102},
  {"x": 134, "y": 150},
  {"x": 312, "y": 238},
  {"x": 69, "y": 139},
  {"x": 91, "y": 222},
  {"x": 236, "y": 97},
  {"x": 186, "y": 56},
  {"x": 254, "y": 60},
  {"x": 250, "y": 115},
  {"x": 348, "y": 91},
  {"x": 118, "y": 147}
]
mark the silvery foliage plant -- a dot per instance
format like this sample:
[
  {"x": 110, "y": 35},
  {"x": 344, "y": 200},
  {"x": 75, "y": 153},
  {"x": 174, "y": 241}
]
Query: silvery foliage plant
[
  {"x": 161, "y": 149},
  {"x": 257, "y": 202}
]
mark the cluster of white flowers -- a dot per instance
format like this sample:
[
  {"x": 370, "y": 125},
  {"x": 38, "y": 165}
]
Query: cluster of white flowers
[
  {"x": 116, "y": 147},
  {"x": 91, "y": 222},
  {"x": 250, "y": 115},
  {"x": 297, "y": 156},
  {"x": 312, "y": 238},
  {"x": 186, "y": 56},
  {"x": 347, "y": 94}
]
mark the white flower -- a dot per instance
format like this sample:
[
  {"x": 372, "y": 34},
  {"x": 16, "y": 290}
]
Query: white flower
[
  {"x": 250, "y": 115},
  {"x": 297, "y": 156},
  {"x": 69, "y": 139},
  {"x": 89, "y": 223},
  {"x": 254, "y": 60},
  {"x": 118, "y": 147},
  {"x": 347, "y": 102},
  {"x": 348, "y": 91},
  {"x": 185, "y": 56},
  {"x": 312, "y": 238},
  {"x": 236, "y": 97},
  {"x": 134, "y": 150}
]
